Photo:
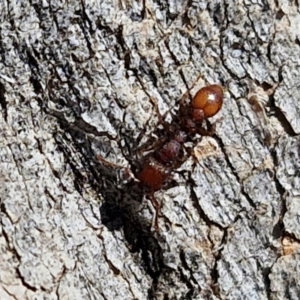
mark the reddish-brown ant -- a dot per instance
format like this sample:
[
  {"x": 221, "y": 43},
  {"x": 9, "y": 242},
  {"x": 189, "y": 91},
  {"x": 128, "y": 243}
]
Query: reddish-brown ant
[{"x": 158, "y": 165}]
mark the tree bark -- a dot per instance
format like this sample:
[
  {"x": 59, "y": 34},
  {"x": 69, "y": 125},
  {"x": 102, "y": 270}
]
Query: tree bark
[{"x": 84, "y": 89}]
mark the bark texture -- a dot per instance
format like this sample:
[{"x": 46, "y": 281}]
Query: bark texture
[{"x": 83, "y": 88}]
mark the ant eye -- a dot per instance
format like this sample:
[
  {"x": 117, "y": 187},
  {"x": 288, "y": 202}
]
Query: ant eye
[{"x": 209, "y": 99}]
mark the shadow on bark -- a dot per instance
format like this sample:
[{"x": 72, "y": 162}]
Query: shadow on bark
[{"x": 121, "y": 205}]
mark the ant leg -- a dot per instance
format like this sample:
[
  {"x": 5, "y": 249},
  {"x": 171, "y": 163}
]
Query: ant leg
[
  {"x": 189, "y": 88},
  {"x": 157, "y": 208},
  {"x": 161, "y": 118},
  {"x": 128, "y": 175},
  {"x": 154, "y": 142},
  {"x": 108, "y": 163},
  {"x": 151, "y": 146},
  {"x": 211, "y": 129},
  {"x": 143, "y": 131}
]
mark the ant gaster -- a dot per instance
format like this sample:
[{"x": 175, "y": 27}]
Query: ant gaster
[{"x": 157, "y": 167}]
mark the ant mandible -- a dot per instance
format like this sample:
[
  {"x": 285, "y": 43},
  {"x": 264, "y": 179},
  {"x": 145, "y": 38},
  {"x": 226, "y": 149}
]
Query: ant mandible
[{"x": 156, "y": 167}]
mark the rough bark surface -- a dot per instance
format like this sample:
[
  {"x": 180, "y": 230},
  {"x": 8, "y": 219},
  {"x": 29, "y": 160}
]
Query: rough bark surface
[{"x": 83, "y": 85}]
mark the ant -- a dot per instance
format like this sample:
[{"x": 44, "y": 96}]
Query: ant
[{"x": 157, "y": 167}]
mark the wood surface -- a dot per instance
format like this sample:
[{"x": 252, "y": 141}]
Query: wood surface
[{"x": 84, "y": 86}]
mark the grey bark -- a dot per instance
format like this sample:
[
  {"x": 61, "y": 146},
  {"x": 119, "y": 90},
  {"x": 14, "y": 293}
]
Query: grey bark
[{"x": 82, "y": 87}]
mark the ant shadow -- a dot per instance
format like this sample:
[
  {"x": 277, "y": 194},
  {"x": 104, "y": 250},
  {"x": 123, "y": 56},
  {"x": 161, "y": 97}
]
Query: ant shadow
[{"x": 122, "y": 204}]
